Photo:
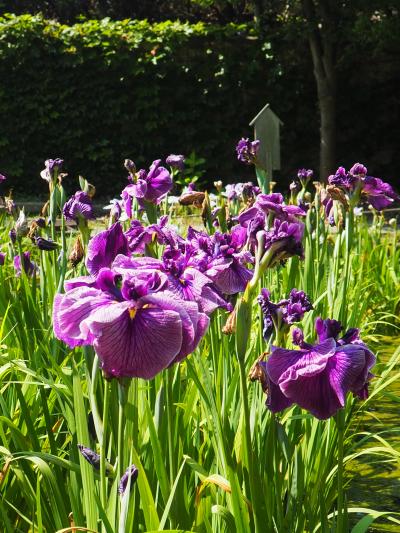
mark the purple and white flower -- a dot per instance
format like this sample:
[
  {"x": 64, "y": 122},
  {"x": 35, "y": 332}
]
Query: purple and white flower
[{"x": 135, "y": 324}]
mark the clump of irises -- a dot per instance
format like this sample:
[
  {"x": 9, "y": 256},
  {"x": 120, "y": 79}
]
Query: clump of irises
[{"x": 146, "y": 294}]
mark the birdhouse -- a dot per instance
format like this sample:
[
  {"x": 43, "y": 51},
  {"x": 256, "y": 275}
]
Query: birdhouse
[{"x": 267, "y": 130}]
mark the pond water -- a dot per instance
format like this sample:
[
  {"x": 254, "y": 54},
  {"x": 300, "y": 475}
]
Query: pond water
[{"x": 376, "y": 483}]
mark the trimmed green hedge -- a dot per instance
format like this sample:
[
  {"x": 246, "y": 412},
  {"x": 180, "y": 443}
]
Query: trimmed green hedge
[{"x": 98, "y": 92}]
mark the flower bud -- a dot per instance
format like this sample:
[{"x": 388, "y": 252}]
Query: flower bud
[
  {"x": 91, "y": 457},
  {"x": 218, "y": 185},
  {"x": 131, "y": 472},
  {"x": 45, "y": 244},
  {"x": 77, "y": 252},
  {"x": 21, "y": 225},
  {"x": 130, "y": 166}
]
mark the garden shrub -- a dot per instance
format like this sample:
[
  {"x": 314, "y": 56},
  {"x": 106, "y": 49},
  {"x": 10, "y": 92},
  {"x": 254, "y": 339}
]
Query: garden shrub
[{"x": 100, "y": 91}]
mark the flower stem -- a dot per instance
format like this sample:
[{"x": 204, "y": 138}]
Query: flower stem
[
  {"x": 103, "y": 449},
  {"x": 122, "y": 397},
  {"x": 248, "y": 452},
  {"x": 340, "y": 423}
]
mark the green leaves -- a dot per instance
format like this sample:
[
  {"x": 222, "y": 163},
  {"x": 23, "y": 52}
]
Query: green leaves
[{"x": 150, "y": 81}]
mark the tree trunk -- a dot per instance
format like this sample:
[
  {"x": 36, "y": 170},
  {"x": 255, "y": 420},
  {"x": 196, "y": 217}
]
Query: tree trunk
[
  {"x": 327, "y": 109},
  {"x": 321, "y": 21}
]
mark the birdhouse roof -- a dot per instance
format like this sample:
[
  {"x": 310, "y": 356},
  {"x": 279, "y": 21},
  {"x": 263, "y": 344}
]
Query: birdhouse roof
[{"x": 265, "y": 109}]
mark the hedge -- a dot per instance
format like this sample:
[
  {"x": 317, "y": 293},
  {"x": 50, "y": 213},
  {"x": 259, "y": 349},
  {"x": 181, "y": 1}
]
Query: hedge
[{"x": 98, "y": 92}]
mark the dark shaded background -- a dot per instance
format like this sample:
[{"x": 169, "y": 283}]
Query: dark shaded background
[{"x": 94, "y": 96}]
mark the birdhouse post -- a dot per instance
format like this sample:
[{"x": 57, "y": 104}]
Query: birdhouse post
[{"x": 267, "y": 130}]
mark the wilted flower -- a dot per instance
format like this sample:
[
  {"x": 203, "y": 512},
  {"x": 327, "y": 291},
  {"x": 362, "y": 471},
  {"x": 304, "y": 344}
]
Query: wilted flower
[
  {"x": 195, "y": 198},
  {"x": 131, "y": 472},
  {"x": 136, "y": 326},
  {"x": 176, "y": 161},
  {"x": 104, "y": 247},
  {"x": 28, "y": 266},
  {"x": 77, "y": 252},
  {"x": 52, "y": 168},
  {"x": 9, "y": 204},
  {"x": 247, "y": 150},
  {"x": 318, "y": 378},
  {"x": 79, "y": 206}
]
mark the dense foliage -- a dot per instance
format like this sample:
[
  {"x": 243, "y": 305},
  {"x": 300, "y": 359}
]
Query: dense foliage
[
  {"x": 99, "y": 91},
  {"x": 199, "y": 379}
]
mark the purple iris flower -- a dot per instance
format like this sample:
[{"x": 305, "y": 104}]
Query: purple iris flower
[
  {"x": 115, "y": 211},
  {"x": 284, "y": 313},
  {"x": 2, "y": 258},
  {"x": 247, "y": 150},
  {"x": 230, "y": 192},
  {"x": 305, "y": 174},
  {"x": 52, "y": 168},
  {"x": 221, "y": 258},
  {"x": 318, "y": 378},
  {"x": 131, "y": 472},
  {"x": 78, "y": 206},
  {"x": 271, "y": 204},
  {"x": 104, "y": 247},
  {"x": 245, "y": 191},
  {"x": 149, "y": 186},
  {"x": 28, "y": 266},
  {"x": 283, "y": 240},
  {"x": 176, "y": 161},
  {"x": 378, "y": 193},
  {"x": 184, "y": 280},
  {"x": 139, "y": 236},
  {"x": 226, "y": 266},
  {"x": 358, "y": 169},
  {"x": 297, "y": 304},
  {"x": 136, "y": 326},
  {"x": 343, "y": 179}
]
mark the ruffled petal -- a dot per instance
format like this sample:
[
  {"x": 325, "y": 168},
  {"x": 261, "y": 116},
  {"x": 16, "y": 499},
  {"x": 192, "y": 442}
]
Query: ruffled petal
[
  {"x": 72, "y": 309},
  {"x": 137, "y": 343}
]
